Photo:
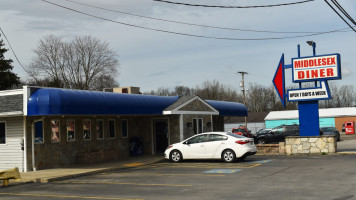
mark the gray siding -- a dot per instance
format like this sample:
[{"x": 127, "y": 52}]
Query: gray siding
[{"x": 11, "y": 154}]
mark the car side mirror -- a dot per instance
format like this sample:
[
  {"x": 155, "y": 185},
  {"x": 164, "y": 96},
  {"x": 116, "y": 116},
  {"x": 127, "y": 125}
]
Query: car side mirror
[
  {"x": 186, "y": 142},
  {"x": 271, "y": 132}
]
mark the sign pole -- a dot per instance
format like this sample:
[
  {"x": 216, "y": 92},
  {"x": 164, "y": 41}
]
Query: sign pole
[{"x": 308, "y": 112}]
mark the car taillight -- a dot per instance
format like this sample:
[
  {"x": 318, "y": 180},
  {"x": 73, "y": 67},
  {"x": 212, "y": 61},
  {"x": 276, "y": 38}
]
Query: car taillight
[
  {"x": 170, "y": 146},
  {"x": 242, "y": 141}
]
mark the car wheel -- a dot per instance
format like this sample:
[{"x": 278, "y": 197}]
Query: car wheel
[
  {"x": 175, "y": 156},
  {"x": 228, "y": 156},
  {"x": 261, "y": 141}
]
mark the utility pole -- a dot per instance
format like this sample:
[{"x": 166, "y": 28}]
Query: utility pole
[{"x": 242, "y": 85}]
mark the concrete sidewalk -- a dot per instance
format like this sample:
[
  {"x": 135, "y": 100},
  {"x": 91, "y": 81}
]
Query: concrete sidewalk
[
  {"x": 347, "y": 145},
  {"x": 56, "y": 174}
]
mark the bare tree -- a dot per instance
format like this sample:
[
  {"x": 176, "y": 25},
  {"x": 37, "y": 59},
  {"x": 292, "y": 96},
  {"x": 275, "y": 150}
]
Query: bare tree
[
  {"x": 84, "y": 63},
  {"x": 162, "y": 91},
  {"x": 183, "y": 91},
  {"x": 213, "y": 90},
  {"x": 346, "y": 93}
]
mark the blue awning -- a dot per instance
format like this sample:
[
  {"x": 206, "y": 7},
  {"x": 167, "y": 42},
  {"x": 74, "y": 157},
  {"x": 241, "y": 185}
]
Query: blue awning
[
  {"x": 54, "y": 101},
  {"x": 226, "y": 108}
]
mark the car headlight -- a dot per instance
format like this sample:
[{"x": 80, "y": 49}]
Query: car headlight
[{"x": 170, "y": 146}]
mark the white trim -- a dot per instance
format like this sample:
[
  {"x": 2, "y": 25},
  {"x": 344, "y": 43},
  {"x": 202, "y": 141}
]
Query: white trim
[
  {"x": 177, "y": 111},
  {"x": 11, "y": 92},
  {"x": 11, "y": 114},
  {"x": 26, "y": 96},
  {"x": 190, "y": 112}
]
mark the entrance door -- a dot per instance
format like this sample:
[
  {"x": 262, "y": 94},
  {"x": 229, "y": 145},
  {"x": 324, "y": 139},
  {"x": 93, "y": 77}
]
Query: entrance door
[{"x": 160, "y": 131}]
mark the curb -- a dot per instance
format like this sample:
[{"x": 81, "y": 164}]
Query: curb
[
  {"x": 61, "y": 178},
  {"x": 346, "y": 153}
]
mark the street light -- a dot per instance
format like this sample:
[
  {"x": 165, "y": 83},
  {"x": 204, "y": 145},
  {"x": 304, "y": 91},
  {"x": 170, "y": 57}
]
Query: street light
[{"x": 313, "y": 44}]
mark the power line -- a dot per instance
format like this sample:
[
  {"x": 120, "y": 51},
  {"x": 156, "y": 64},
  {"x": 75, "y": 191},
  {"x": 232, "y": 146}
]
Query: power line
[
  {"x": 192, "y": 24},
  {"x": 339, "y": 15},
  {"x": 343, "y": 11},
  {"x": 215, "y": 6},
  {"x": 12, "y": 50},
  {"x": 186, "y": 34}
]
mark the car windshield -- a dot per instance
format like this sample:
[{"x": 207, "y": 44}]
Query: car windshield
[
  {"x": 327, "y": 129},
  {"x": 236, "y": 136},
  {"x": 264, "y": 132}
]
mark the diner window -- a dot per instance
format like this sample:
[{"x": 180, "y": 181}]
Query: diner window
[
  {"x": 99, "y": 129},
  {"x": 71, "y": 130},
  {"x": 39, "y": 132},
  {"x": 198, "y": 125},
  {"x": 111, "y": 128},
  {"x": 86, "y": 129},
  {"x": 2, "y": 133},
  {"x": 124, "y": 129},
  {"x": 55, "y": 128}
]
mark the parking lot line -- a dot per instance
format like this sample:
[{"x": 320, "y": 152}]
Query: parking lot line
[
  {"x": 205, "y": 165},
  {"x": 222, "y": 171},
  {"x": 62, "y": 196},
  {"x": 118, "y": 183},
  {"x": 159, "y": 174}
]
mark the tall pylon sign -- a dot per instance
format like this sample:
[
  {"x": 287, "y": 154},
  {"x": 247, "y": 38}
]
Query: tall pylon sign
[{"x": 318, "y": 69}]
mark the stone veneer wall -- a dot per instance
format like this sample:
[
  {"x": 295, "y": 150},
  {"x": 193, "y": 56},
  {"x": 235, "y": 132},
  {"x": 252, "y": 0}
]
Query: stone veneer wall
[
  {"x": 271, "y": 149},
  {"x": 310, "y": 145}
]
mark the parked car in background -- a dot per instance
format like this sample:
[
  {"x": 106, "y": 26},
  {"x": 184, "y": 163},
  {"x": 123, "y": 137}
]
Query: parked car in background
[
  {"x": 263, "y": 131},
  {"x": 242, "y": 131},
  {"x": 214, "y": 145},
  {"x": 331, "y": 131},
  {"x": 277, "y": 134}
]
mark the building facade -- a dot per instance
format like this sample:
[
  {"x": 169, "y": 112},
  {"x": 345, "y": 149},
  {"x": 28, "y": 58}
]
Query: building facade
[{"x": 49, "y": 127}]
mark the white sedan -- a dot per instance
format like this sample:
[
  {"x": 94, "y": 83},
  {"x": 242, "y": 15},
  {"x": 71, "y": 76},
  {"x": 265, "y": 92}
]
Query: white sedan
[{"x": 213, "y": 145}]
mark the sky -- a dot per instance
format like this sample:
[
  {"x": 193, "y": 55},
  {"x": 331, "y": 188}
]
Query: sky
[{"x": 156, "y": 53}]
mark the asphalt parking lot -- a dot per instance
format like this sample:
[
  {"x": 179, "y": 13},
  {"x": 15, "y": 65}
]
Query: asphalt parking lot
[{"x": 259, "y": 177}]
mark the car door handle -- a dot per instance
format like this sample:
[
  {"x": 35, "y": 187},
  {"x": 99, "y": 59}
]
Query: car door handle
[{"x": 223, "y": 143}]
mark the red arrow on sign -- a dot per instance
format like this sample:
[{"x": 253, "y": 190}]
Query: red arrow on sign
[{"x": 278, "y": 81}]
